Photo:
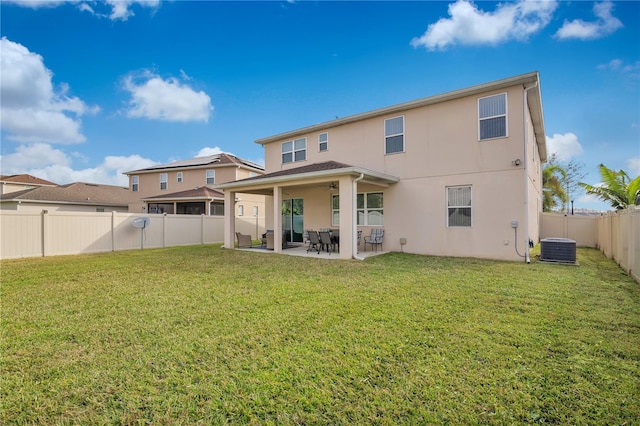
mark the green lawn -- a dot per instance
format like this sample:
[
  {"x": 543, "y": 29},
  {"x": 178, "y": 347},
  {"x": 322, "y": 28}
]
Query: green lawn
[{"x": 206, "y": 335}]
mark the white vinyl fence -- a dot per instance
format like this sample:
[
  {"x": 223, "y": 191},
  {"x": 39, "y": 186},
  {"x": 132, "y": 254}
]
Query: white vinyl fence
[
  {"x": 32, "y": 234},
  {"x": 616, "y": 234}
]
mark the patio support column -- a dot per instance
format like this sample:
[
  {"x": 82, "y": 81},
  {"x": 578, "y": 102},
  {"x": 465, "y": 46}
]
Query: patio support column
[
  {"x": 346, "y": 217},
  {"x": 277, "y": 219},
  {"x": 229, "y": 219}
]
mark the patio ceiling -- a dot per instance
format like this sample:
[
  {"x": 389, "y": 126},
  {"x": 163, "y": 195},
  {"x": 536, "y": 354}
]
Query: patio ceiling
[{"x": 309, "y": 175}]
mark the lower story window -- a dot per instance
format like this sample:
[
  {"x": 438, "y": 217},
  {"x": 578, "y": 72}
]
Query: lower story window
[
  {"x": 217, "y": 209},
  {"x": 459, "y": 206},
  {"x": 369, "y": 207}
]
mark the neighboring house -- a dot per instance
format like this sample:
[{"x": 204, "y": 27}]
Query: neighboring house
[
  {"x": 14, "y": 183},
  {"x": 74, "y": 197},
  {"x": 186, "y": 186},
  {"x": 456, "y": 174}
]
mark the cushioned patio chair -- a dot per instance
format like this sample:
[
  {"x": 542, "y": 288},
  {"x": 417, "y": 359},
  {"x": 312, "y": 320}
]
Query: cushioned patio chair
[
  {"x": 243, "y": 240},
  {"x": 375, "y": 239}
]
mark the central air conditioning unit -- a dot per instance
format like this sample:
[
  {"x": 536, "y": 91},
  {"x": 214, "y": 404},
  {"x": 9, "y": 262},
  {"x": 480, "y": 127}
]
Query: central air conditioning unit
[{"x": 558, "y": 250}]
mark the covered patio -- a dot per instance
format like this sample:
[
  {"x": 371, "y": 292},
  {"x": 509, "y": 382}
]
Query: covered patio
[
  {"x": 301, "y": 250},
  {"x": 316, "y": 196}
]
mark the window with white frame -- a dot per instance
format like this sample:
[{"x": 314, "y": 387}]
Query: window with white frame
[
  {"x": 211, "y": 177},
  {"x": 335, "y": 210},
  {"x": 323, "y": 142},
  {"x": 255, "y": 211},
  {"x": 163, "y": 181},
  {"x": 394, "y": 135},
  {"x": 492, "y": 117},
  {"x": 459, "y": 206},
  {"x": 369, "y": 207},
  {"x": 294, "y": 150},
  {"x": 179, "y": 177},
  {"x": 217, "y": 209},
  {"x": 240, "y": 210},
  {"x": 135, "y": 183}
]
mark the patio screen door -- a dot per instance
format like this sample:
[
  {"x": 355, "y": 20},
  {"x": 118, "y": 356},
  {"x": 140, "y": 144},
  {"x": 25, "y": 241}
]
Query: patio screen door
[{"x": 293, "y": 219}]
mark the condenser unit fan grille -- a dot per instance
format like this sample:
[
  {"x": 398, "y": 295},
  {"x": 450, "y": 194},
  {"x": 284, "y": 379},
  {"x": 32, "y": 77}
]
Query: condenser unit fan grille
[{"x": 558, "y": 250}]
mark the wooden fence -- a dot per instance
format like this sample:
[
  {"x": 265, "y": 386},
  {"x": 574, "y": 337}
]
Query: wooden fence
[
  {"x": 616, "y": 234},
  {"x": 32, "y": 234}
]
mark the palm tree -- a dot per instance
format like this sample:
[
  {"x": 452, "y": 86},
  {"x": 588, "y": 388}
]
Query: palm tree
[
  {"x": 617, "y": 188},
  {"x": 552, "y": 188}
]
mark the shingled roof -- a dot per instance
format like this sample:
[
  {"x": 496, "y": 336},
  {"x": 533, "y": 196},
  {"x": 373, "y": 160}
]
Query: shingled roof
[
  {"x": 26, "y": 180},
  {"x": 310, "y": 168},
  {"x": 202, "y": 192},
  {"x": 73, "y": 193},
  {"x": 216, "y": 160}
]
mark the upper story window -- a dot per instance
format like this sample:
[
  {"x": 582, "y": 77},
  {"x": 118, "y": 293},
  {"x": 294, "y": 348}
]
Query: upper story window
[
  {"x": 492, "y": 116},
  {"x": 394, "y": 135},
  {"x": 323, "y": 142},
  {"x": 294, "y": 150},
  {"x": 211, "y": 177},
  {"x": 135, "y": 183},
  {"x": 459, "y": 206},
  {"x": 163, "y": 181},
  {"x": 179, "y": 179},
  {"x": 240, "y": 210}
]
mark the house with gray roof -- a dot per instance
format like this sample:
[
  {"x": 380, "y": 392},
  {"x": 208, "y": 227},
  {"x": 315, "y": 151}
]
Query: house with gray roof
[
  {"x": 76, "y": 197},
  {"x": 14, "y": 183}
]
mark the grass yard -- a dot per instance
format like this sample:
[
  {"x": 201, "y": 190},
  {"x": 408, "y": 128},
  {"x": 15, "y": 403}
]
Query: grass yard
[{"x": 206, "y": 335}]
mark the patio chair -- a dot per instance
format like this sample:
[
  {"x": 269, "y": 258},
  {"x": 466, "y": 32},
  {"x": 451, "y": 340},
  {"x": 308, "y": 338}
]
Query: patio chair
[
  {"x": 314, "y": 241},
  {"x": 325, "y": 240},
  {"x": 264, "y": 238},
  {"x": 243, "y": 240},
  {"x": 375, "y": 239}
]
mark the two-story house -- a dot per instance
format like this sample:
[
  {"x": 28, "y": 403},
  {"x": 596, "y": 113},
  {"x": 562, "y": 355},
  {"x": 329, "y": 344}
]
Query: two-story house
[
  {"x": 456, "y": 174},
  {"x": 15, "y": 183},
  {"x": 186, "y": 186}
]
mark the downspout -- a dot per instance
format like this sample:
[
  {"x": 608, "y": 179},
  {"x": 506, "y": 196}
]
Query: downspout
[
  {"x": 354, "y": 222},
  {"x": 525, "y": 120}
]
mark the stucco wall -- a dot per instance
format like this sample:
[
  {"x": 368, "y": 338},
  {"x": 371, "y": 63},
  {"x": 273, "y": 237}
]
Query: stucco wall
[{"x": 441, "y": 150}]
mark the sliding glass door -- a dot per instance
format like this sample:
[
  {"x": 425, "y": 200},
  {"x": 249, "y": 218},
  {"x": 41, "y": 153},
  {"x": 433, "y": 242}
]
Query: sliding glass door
[{"x": 293, "y": 220}]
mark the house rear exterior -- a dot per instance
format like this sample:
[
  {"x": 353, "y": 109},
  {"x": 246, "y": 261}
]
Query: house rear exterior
[{"x": 457, "y": 174}]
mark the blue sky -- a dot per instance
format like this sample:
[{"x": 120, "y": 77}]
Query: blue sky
[{"x": 93, "y": 89}]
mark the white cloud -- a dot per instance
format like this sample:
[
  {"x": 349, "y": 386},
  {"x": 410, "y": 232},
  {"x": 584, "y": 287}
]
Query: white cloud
[
  {"x": 633, "y": 167},
  {"x": 468, "y": 25},
  {"x": 565, "y": 146},
  {"x": 627, "y": 70},
  {"x": 32, "y": 110},
  {"x": 605, "y": 25},
  {"x": 119, "y": 9},
  {"x": 167, "y": 100},
  {"x": 206, "y": 151},
  {"x": 46, "y": 162}
]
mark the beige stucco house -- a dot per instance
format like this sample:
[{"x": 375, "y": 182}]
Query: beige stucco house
[
  {"x": 186, "y": 186},
  {"x": 72, "y": 197},
  {"x": 15, "y": 183},
  {"x": 456, "y": 174}
]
